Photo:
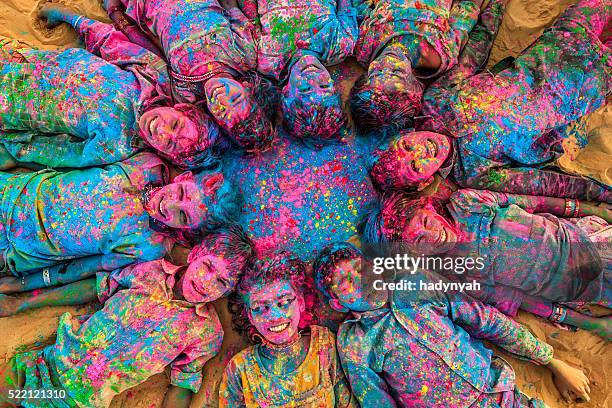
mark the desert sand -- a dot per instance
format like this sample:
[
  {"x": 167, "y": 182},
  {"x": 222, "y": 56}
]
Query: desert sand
[{"x": 523, "y": 22}]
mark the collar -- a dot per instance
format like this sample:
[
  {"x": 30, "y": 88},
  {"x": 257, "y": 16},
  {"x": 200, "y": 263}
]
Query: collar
[
  {"x": 201, "y": 309},
  {"x": 371, "y": 316},
  {"x": 445, "y": 171}
]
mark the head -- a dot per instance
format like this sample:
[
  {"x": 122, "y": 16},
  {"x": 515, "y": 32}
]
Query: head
[
  {"x": 409, "y": 160},
  {"x": 422, "y": 224},
  {"x": 338, "y": 271},
  {"x": 244, "y": 109},
  {"x": 311, "y": 105},
  {"x": 183, "y": 134},
  {"x": 388, "y": 95},
  {"x": 215, "y": 265},
  {"x": 193, "y": 201},
  {"x": 274, "y": 299}
]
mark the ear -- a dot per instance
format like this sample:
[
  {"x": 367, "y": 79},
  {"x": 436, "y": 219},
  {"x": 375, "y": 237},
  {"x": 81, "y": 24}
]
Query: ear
[
  {"x": 186, "y": 176},
  {"x": 213, "y": 183},
  {"x": 335, "y": 304},
  {"x": 424, "y": 184},
  {"x": 301, "y": 304}
]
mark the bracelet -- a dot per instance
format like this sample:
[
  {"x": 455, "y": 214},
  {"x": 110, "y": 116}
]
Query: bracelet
[
  {"x": 576, "y": 209},
  {"x": 23, "y": 280},
  {"x": 570, "y": 208},
  {"x": 558, "y": 314},
  {"x": 46, "y": 278}
]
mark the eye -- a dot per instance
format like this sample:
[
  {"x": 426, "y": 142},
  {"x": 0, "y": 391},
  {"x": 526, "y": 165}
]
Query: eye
[
  {"x": 181, "y": 192},
  {"x": 413, "y": 165},
  {"x": 174, "y": 125},
  {"x": 285, "y": 302},
  {"x": 223, "y": 282},
  {"x": 183, "y": 218}
]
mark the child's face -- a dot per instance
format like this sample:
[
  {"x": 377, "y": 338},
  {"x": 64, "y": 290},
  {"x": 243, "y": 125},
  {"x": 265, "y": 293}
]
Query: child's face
[
  {"x": 429, "y": 232},
  {"x": 350, "y": 291},
  {"x": 207, "y": 278},
  {"x": 169, "y": 131},
  {"x": 391, "y": 73},
  {"x": 227, "y": 101},
  {"x": 180, "y": 204},
  {"x": 414, "y": 157},
  {"x": 275, "y": 310},
  {"x": 309, "y": 79}
]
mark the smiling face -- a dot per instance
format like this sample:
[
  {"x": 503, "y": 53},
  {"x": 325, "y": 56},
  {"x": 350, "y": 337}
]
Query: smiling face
[
  {"x": 429, "y": 232},
  {"x": 227, "y": 101},
  {"x": 207, "y": 278},
  {"x": 180, "y": 204},
  {"x": 170, "y": 131},
  {"x": 411, "y": 160},
  {"x": 350, "y": 291},
  {"x": 275, "y": 310}
]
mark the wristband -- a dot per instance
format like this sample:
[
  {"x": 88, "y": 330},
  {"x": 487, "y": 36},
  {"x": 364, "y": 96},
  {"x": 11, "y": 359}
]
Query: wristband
[
  {"x": 46, "y": 277},
  {"x": 576, "y": 209},
  {"x": 558, "y": 314},
  {"x": 570, "y": 208}
]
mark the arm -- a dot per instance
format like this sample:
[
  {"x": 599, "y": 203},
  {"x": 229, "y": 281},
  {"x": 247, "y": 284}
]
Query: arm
[
  {"x": 62, "y": 274},
  {"x": 342, "y": 391},
  {"x": 540, "y": 182},
  {"x": 230, "y": 391},
  {"x": 177, "y": 397},
  {"x": 462, "y": 19},
  {"x": 77, "y": 293},
  {"x": 337, "y": 37}
]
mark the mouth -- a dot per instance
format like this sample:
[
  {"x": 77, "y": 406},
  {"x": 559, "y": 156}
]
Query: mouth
[
  {"x": 432, "y": 148},
  {"x": 278, "y": 328},
  {"x": 310, "y": 68},
  {"x": 443, "y": 236}
]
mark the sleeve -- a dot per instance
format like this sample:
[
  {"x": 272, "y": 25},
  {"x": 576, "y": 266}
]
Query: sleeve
[
  {"x": 462, "y": 19},
  {"x": 536, "y": 182},
  {"x": 247, "y": 32},
  {"x": 113, "y": 46},
  {"x": 368, "y": 387},
  {"x": 230, "y": 391},
  {"x": 338, "y": 36},
  {"x": 65, "y": 150},
  {"x": 476, "y": 51},
  {"x": 342, "y": 391},
  {"x": 108, "y": 283},
  {"x": 486, "y": 322},
  {"x": 476, "y": 201},
  {"x": 186, "y": 370}
]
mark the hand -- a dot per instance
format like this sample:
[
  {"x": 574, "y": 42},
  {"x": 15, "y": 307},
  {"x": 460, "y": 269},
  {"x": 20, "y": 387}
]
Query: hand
[
  {"x": 55, "y": 13},
  {"x": 603, "y": 211},
  {"x": 9, "y": 284},
  {"x": 571, "y": 382},
  {"x": 9, "y": 305}
]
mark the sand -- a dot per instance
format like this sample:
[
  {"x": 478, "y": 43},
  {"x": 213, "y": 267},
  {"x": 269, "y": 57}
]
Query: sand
[{"x": 523, "y": 22}]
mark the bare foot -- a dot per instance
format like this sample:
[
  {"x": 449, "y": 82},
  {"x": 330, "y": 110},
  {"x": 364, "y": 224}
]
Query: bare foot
[{"x": 571, "y": 382}]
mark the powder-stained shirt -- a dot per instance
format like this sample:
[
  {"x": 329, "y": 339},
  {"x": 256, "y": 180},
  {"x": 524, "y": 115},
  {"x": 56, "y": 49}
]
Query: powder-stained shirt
[
  {"x": 198, "y": 36},
  {"x": 49, "y": 217},
  {"x": 140, "y": 330},
  {"x": 515, "y": 116},
  {"x": 443, "y": 25},
  {"x": 326, "y": 29},
  {"x": 79, "y": 108},
  {"x": 538, "y": 254},
  {"x": 247, "y": 383},
  {"x": 426, "y": 351}
]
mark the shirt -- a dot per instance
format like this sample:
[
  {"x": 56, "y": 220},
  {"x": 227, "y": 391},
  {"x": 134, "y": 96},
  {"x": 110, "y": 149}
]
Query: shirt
[
  {"x": 140, "y": 330},
  {"x": 326, "y": 29},
  {"x": 79, "y": 108},
  {"x": 49, "y": 217},
  {"x": 425, "y": 351}
]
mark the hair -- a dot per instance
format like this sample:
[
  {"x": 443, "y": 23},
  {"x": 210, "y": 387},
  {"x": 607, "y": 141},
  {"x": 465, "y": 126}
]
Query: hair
[
  {"x": 279, "y": 266},
  {"x": 383, "y": 221},
  {"x": 327, "y": 260},
  {"x": 223, "y": 208},
  {"x": 256, "y": 132},
  {"x": 206, "y": 152},
  {"x": 315, "y": 122},
  {"x": 385, "y": 113},
  {"x": 231, "y": 243}
]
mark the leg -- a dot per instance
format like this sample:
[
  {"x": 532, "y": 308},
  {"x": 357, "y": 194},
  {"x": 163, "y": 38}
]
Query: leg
[
  {"x": 591, "y": 15},
  {"x": 10, "y": 379}
]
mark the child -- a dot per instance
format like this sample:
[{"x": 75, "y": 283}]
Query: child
[
  {"x": 212, "y": 55},
  {"x": 411, "y": 349},
  {"x": 81, "y": 108},
  {"x": 77, "y": 223},
  {"x": 299, "y": 39},
  {"x": 155, "y": 315},
  {"x": 294, "y": 362},
  {"x": 535, "y": 249},
  {"x": 517, "y": 116},
  {"x": 400, "y": 44}
]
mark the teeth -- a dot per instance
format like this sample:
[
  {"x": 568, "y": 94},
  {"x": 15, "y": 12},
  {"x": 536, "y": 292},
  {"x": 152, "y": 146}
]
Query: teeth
[
  {"x": 432, "y": 147},
  {"x": 279, "y": 328},
  {"x": 443, "y": 236}
]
